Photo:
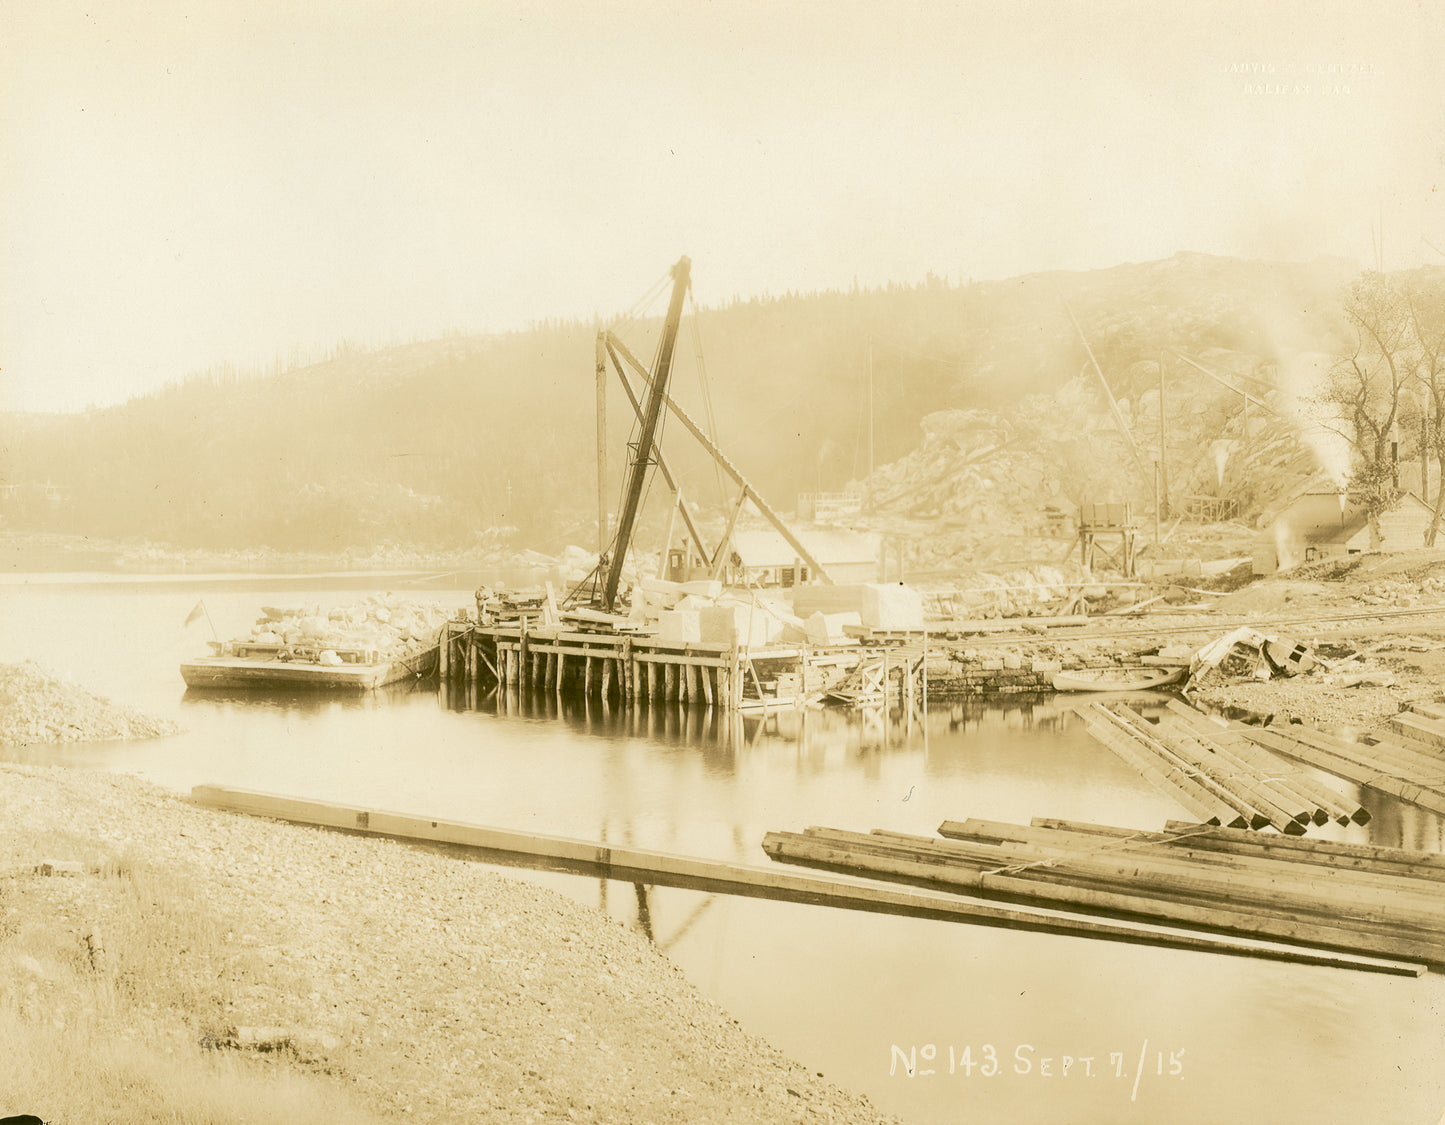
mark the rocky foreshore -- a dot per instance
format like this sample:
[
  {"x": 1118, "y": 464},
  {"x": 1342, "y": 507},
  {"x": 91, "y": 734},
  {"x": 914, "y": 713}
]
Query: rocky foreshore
[
  {"x": 37, "y": 706},
  {"x": 381, "y": 978}
]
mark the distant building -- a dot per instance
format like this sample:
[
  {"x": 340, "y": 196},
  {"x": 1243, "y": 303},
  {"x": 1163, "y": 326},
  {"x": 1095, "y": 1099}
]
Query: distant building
[
  {"x": 762, "y": 557},
  {"x": 1324, "y": 525},
  {"x": 825, "y": 507}
]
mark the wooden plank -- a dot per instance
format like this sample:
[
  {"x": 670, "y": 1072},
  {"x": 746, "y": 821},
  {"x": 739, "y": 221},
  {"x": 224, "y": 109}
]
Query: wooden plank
[
  {"x": 664, "y": 869},
  {"x": 1330, "y": 803},
  {"x": 667, "y": 658},
  {"x": 1351, "y": 770},
  {"x": 1423, "y": 729},
  {"x": 1193, "y": 765},
  {"x": 1307, "y": 848},
  {"x": 1424, "y": 865},
  {"x": 1403, "y": 760},
  {"x": 1230, "y": 771},
  {"x": 1179, "y": 848},
  {"x": 1125, "y": 748},
  {"x": 1175, "y": 772},
  {"x": 1150, "y": 877},
  {"x": 1403, "y": 933},
  {"x": 826, "y": 856},
  {"x": 1385, "y": 758},
  {"x": 1266, "y": 772}
]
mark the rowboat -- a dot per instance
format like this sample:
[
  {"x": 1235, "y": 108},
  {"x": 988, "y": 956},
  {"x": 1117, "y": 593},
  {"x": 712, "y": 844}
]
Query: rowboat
[
  {"x": 297, "y": 667},
  {"x": 1117, "y": 679}
]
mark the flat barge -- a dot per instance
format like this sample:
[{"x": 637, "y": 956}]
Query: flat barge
[{"x": 284, "y": 668}]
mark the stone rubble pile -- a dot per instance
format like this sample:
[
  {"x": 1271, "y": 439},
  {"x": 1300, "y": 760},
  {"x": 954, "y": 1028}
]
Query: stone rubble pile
[
  {"x": 1389, "y": 591},
  {"x": 388, "y": 624}
]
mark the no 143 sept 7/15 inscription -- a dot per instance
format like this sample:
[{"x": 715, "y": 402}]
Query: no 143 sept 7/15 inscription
[{"x": 1024, "y": 1060}]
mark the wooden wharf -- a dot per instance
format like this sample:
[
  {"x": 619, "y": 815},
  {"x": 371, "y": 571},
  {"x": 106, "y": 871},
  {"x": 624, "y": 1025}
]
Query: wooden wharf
[{"x": 531, "y": 658}]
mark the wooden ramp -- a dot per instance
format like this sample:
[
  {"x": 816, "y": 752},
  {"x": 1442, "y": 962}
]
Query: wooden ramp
[
  {"x": 1220, "y": 775},
  {"x": 664, "y": 869},
  {"x": 1386, "y": 903}
]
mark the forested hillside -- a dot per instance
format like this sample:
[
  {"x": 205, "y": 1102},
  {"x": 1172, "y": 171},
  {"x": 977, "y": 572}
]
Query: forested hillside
[{"x": 431, "y": 443}]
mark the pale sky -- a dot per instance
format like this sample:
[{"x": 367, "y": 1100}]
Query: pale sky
[{"x": 188, "y": 185}]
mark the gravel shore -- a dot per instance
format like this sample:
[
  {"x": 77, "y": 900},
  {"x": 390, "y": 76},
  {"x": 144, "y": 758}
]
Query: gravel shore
[{"x": 420, "y": 983}]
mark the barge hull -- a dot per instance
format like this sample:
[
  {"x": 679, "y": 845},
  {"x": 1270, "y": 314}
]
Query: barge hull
[{"x": 242, "y": 672}]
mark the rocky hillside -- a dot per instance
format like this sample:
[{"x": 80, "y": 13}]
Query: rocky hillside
[
  {"x": 435, "y": 441},
  {"x": 992, "y": 487}
]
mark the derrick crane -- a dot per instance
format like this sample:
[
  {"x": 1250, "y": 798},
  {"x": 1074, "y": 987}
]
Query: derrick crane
[{"x": 642, "y": 454}]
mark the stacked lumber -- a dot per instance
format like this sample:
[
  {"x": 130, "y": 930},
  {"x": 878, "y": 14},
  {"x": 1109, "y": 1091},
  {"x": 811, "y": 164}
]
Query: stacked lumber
[
  {"x": 1404, "y": 758},
  {"x": 1219, "y": 775},
  {"x": 1382, "y": 902}
]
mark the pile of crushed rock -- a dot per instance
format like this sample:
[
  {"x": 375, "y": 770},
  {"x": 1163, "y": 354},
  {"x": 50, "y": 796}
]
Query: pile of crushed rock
[{"x": 36, "y": 706}]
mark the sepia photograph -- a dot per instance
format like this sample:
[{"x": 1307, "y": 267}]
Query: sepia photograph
[{"x": 665, "y": 561}]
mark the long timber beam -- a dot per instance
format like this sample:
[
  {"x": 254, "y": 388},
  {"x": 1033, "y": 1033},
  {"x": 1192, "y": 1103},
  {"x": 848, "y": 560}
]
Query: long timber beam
[{"x": 665, "y": 869}]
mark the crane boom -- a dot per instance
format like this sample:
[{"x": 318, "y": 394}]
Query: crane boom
[{"x": 637, "y": 469}]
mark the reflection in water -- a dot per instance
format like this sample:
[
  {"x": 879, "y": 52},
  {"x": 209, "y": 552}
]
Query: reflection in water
[{"x": 833, "y": 989}]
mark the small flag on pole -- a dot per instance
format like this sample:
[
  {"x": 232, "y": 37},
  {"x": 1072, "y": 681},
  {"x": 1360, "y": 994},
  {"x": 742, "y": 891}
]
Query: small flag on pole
[{"x": 197, "y": 613}]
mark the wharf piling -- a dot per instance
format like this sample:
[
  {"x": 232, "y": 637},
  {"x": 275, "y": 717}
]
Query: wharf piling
[{"x": 616, "y": 668}]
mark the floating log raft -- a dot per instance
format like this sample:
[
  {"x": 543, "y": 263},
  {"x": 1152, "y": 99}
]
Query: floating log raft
[
  {"x": 1220, "y": 775},
  {"x": 1383, "y": 903},
  {"x": 1404, "y": 758}
]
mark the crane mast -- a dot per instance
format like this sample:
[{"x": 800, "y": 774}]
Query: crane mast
[{"x": 642, "y": 455}]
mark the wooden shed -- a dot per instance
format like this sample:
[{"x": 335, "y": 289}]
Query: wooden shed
[
  {"x": 761, "y": 556},
  {"x": 1324, "y": 524}
]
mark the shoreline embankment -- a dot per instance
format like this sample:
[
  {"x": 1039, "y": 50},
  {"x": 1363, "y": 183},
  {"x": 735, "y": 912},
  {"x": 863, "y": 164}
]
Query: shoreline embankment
[{"x": 159, "y": 960}]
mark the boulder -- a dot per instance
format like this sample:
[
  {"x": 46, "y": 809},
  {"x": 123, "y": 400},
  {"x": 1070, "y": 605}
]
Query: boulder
[{"x": 891, "y": 605}]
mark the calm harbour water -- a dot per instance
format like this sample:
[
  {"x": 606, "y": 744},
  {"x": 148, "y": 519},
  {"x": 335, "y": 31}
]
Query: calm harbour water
[{"x": 836, "y": 990}]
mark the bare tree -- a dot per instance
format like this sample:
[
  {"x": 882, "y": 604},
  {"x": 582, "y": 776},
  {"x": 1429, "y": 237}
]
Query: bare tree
[
  {"x": 1427, "y": 322},
  {"x": 1365, "y": 389}
]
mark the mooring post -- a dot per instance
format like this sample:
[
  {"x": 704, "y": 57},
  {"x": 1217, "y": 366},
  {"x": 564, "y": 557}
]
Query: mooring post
[
  {"x": 925, "y": 677},
  {"x": 908, "y": 673},
  {"x": 669, "y": 681},
  {"x": 704, "y": 673},
  {"x": 561, "y": 671},
  {"x": 444, "y": 653},
  {"x": 651, "y": 681},
  {"x": 587, "y": 677},
  {"x": 524, "y": 670}
]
